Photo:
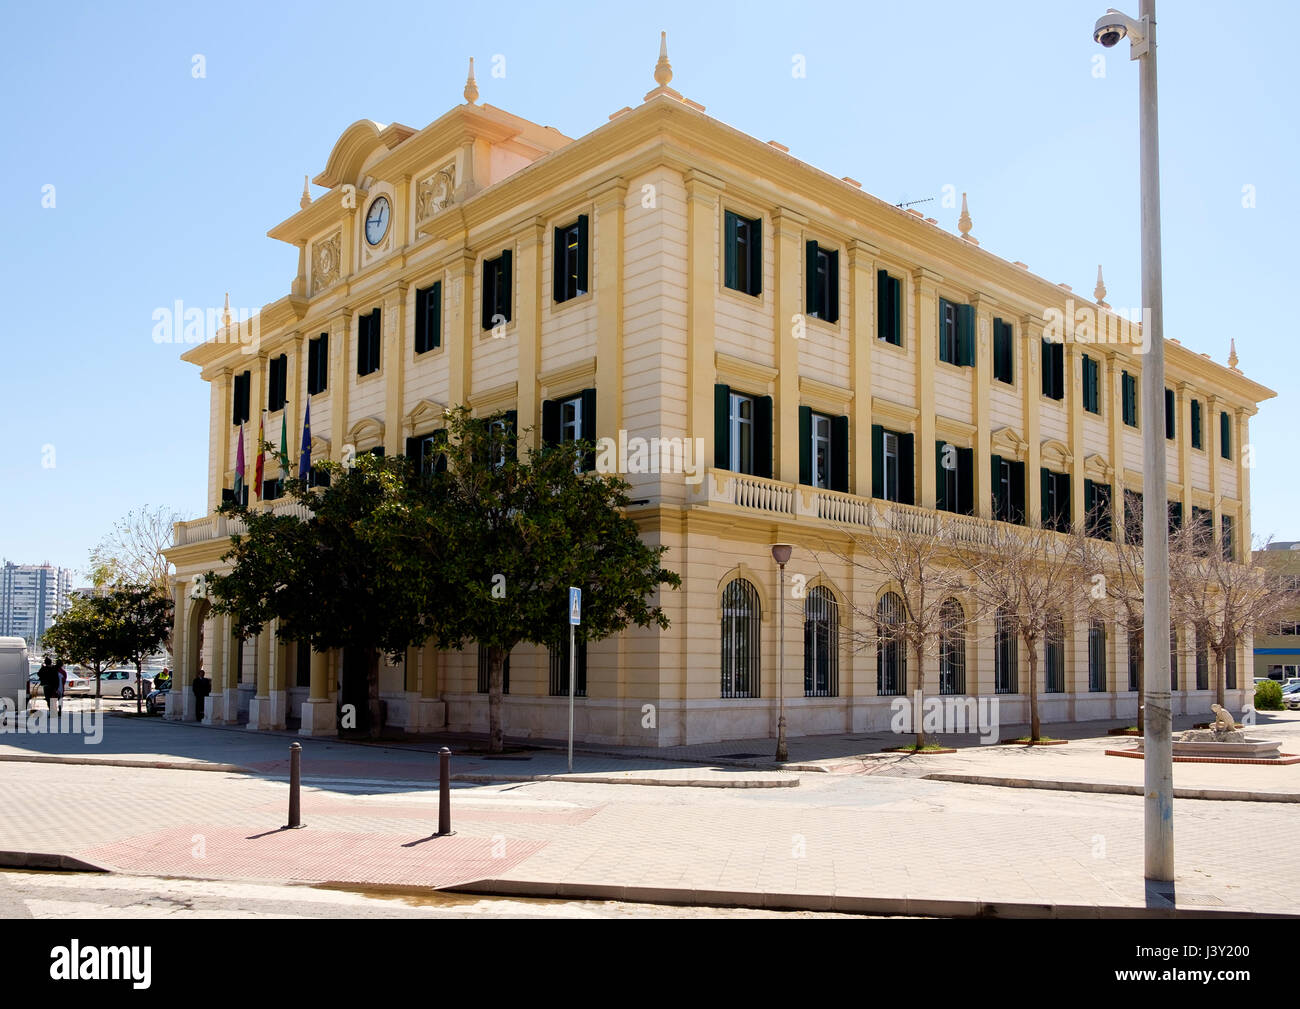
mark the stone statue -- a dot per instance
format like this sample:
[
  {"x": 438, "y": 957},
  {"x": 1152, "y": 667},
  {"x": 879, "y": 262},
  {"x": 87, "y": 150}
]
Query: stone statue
[{"x": 1223, "y": 720}]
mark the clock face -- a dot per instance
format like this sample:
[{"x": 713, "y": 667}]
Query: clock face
[{"x": 377, "y": 221}]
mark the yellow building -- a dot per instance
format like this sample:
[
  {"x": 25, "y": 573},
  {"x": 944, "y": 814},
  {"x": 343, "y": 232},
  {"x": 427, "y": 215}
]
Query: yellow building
[
  {"x": 796, "y": 345},
  {"x": 1277, "y": 648}
]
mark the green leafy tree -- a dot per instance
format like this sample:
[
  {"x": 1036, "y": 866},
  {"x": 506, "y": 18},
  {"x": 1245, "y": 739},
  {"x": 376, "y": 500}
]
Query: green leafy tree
[
  {"x": 502, "y": 538},
  {"x": 337, "y": 574},
  {"x": 87, "y": 633},
  {"x": 143, "y": 621}
]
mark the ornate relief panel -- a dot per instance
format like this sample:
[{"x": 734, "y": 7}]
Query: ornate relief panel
[{"x": 326, "y": 261}]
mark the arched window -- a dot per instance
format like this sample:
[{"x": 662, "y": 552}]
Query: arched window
[
  {"x": 952, "y": 648},
  {"x": 1054, "y": 654},
  {"x": 891, "y": 656},
  {"x": 1096, "y": 656},
  {"x": 821, "y": 643},
  {"x": 1006, "y": 655},
  {"x": 741, "y": 617}
]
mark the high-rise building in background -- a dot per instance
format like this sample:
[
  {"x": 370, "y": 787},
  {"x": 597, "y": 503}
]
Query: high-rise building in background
[{"x": 31, "y": 596}]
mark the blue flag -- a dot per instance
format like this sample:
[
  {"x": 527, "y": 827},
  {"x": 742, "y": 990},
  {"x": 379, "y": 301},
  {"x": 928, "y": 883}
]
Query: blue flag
[{"x": 304, "y": 456}]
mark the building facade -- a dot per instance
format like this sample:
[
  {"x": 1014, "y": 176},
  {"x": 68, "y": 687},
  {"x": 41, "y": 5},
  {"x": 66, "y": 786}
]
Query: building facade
[
  {"x": 1277, "y": 648},
  {"x": 31, "y": 596},
  {"x": 768, "y": 348}
]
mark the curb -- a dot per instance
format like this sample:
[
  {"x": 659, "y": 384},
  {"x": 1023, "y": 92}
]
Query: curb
[
  {"x": 1221, "y": 794},
  {"x": 42, "y": 860},
  {"x": 606, "y": 779},
  {"x": 168, "y": 765},
  {"x": 909, "y": 906}
]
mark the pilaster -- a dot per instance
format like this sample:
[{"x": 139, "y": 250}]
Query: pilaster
[
  {"x": 788, "y": 262},
  {"x": 1030, "y": 364},
  {"x": 394, "y": 319},
  {"x": 862, "y": 336},
  {"x": 1074, "y": 390},
  {"x": 982, "y": 483},
  {"x": 702, "y": 208},
  {"x": 607, "y": 284},
  {"x": 530, "y": 240},
  {"x": 926, "y": 340}
]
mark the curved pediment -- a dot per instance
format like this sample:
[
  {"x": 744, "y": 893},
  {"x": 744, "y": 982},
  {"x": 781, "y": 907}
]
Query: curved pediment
[
  {"x": 357, "y": 144},
  {"x": 366, "y": 434},
  {"x": 1097, "y": 469},
  {"x": 1055, "y": 454}
]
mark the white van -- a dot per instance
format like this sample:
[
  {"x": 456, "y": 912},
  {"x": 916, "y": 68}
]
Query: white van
[{"x": 14, "y": 671}]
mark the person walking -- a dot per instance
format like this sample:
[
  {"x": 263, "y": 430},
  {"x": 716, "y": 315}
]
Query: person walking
[
  {"x": 51, "y": 684},
  {"x": 201, "y": 687}
]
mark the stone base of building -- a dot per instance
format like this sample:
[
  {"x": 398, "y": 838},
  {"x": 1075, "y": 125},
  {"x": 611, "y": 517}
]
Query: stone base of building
[
  {"x": 426, "y": 714},
  {"x": 279, "y": 706},
  {"x": 259, "y": 713},
  {"x": 319, "y": 718}
]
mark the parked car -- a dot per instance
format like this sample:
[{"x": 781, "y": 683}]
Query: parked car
[
  {"x": 1291, "y": 695},
  {"x": 78, "y": 685},
  {"x": 155, "y": 702},
  {"x": 122, "y": 681}
]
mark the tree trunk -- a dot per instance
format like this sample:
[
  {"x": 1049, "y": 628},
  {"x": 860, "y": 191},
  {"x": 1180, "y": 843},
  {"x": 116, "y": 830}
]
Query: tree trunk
[
  {"x": 496, "y": 684},
  {"x": 920, "y": 698},
  {"x": 360, "y": 690},
  {"x": 1033, "y": 691},
  {"x": 1218, "y": 677},
  {"x": 139, "y": 688}
]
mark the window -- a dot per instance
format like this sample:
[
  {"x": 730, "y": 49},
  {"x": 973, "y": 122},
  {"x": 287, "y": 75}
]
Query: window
[
  {"x": 239, "y": 407},
  {"x": 368, "y": 329},
  {"x": 1128, "y": 385},
  {"x": 741, "y": 617},
  {"x": 1133, "y": 517},
  {"x": 505, "y": 430},
  {"x": 956, "y": 333},
  {"x": 1171, "y": 425},
  {"x": 954, "y": 478},
  {"x": 317, "y": 477},
  {"x": 1056, "y": 500},
  {"x": 318, "y": 364},
  {"x": 272, "y": 489},
  {"x": 1202, "y": 663},
  {"x": 1225, "y": 435},
  {"x": 496, "y": 291},
  {"x": 485, "y": 672},
  {"x": 889, "y": 309},
  {"x": 1004, "y": 352},
  {"x": 570, "y": 260},
  {"x": 1196, "y": 424},
  {"x": 1173, "y": 657},
  {"x": 744, "y": 254},
  {"x": 277, "y": 382},
  {"x": 1175, "y": 517},
  {"x": 572, "y": 419},
  {"x": 1134, "y": 654},
  {"x": 1096, "y": 656},
  {"x": 1054, "y": 654},
  {"x": 742, "y": 432},
  {"x": 1225, "y": 535},
  {"x": 559, "y": 662},
  {"x": 1096, "y": 509},
  {"x": 1203, "y": 530},
  {"x": 823, "y": 266},
  {"x": 1008, "y": 490},
  {"x": 823, "y": 450},
  {"x": 428, "y": 452},
  {"x": 821, "y": 643},
  {"x": 1006, "y": 659},
  {"x": 228, "y": 495},
  {"x": 891, "y": 656},
  {"x": 1091, "y": 385},
  {"x": 1230, "y": 668},
  {"x": 1053, "y": 370},
  {"x": 892, "y": 465},
  {"x": 428, "y": 317},
  {"x": 952, "y": 648}
]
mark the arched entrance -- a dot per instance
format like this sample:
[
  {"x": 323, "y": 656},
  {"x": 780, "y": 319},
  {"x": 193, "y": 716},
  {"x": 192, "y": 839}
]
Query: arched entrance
[{"x": 195, "y": 625}]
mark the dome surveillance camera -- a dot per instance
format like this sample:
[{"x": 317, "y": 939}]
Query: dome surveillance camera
[
  {"x": 1109, "y": 35},
  {"x": 1113, "y": 26}
]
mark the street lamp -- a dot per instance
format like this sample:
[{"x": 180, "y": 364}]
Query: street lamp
[
  {"x": 1158, "y": 768},
  {"x": 781, "y": 554}
]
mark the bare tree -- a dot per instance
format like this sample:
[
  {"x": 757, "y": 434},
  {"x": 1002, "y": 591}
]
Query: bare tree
[
  {"x": 1030, "y": 575},
  {"x": 911, "y": 553},
  {"x": 1222, "y": 598},
  {"x": 133, "y": 551}
]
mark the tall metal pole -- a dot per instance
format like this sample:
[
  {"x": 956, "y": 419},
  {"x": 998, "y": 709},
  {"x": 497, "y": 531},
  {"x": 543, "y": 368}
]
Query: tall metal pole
[
  {"x": 573, "y": 669},
  {"x": 782, "y": 752},
  {"x": 1158, "y": 738}
]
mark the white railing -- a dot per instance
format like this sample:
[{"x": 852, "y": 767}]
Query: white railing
[{"x": 220, "y": 527}]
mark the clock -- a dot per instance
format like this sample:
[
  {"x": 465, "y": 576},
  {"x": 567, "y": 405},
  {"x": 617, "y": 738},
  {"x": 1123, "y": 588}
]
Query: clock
[{"x": 377, "y": 220}]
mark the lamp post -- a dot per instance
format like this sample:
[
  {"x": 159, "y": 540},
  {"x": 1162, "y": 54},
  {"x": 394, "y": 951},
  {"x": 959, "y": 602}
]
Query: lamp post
[
  {"x": 1158, "y": 764},
  {"x": 781, "y": 554}
]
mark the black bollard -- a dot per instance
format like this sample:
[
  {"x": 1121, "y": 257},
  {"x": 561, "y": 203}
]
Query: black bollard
[
  {"x": 444, "y": 792},
  {"x": 295, "y": 786}
]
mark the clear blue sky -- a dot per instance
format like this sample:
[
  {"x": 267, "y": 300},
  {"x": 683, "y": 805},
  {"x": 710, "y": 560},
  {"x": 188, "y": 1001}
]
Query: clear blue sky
[{"x": 166, "y": 184}]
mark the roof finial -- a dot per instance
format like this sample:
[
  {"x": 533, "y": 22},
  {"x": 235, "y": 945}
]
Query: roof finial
[
  {"x": 305, "y": 202},
  {"x": 225, "y": 313},
  {"x": 1232, "y": 353},
  {"x": 471, "y": 86},
  {"x": 964, "y": 222},
  {"x": 1099, "y": 293},
  {"x": 663, "y": 69}
]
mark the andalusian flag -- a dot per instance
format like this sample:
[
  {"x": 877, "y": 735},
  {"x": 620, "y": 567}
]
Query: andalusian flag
[
  {"x": 284, "y": 443},
  {"x": 304, "y": 453},
  {"x": 239, "y": 467},
  {"x": 261, "y": 456}
]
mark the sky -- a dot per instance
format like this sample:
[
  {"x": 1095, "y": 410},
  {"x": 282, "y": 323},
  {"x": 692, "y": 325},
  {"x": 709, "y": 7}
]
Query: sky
[{"x": 175, "y": 135}]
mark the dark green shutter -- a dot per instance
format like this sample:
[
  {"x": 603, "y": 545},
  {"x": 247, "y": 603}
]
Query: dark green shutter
[
  {"x": 1018, "y": 492},
  {"x": 512, "y": 427},
  {"x": 434, "y": 336},
  {"x": 966, "y": 335},
  {"x": 589, "y": 426},
  {"x": 896, "y": 302},
  {"x": 805, "y": 445},
  {"x": 488, "y": 294},
  {"x": 907, "y": 469},
  {"x": 884, "y": 314},
  {"x": 1063, "y": 496},
  {"x": 1225, "y": 435},
  {"x": 722, "y": 426},
  {"x": 997, "y": 482},
  {"x": 1196, "y": 423},
  {"x": 940, "y": 480},
  {"x": 966, "y": 481},
  {"x": 504, "y": 289},
  {"x": 584, "y": 255},
  {"x": 840, "y": 454},
  {"x": 550, "y": 421},
  {"x": 730, "y": 241},
  {"x": 413, "y": 450},
  {"x": 1171, "y": 425},
  {"x": 810, "y": 280},
  {"x": 1047, "y": 368},
  {"x": 756, "y": 256},
  {"x": 877, "y": 460},
  {"x": 763, "y": 436},
  {"x": 1092, "y": 520},
  {"x": 833, "y": 286},
  {"x": 1047, "y": 513},
  {"x": 559, "y": 265}
]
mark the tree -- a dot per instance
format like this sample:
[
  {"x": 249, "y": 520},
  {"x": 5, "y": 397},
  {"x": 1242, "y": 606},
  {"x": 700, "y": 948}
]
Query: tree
[
  {"x": 143, "y": 621},
  {"x": 505, "y": 537},
  {"x": 1222, "y": 598},
  {"x": 133, "y": 552},
  {"x": 912, "y": 555},
  {"x": 338, "y": 573},
  {"x": 1030, "y": 574},
  {"x": 87, "y": 633}
]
